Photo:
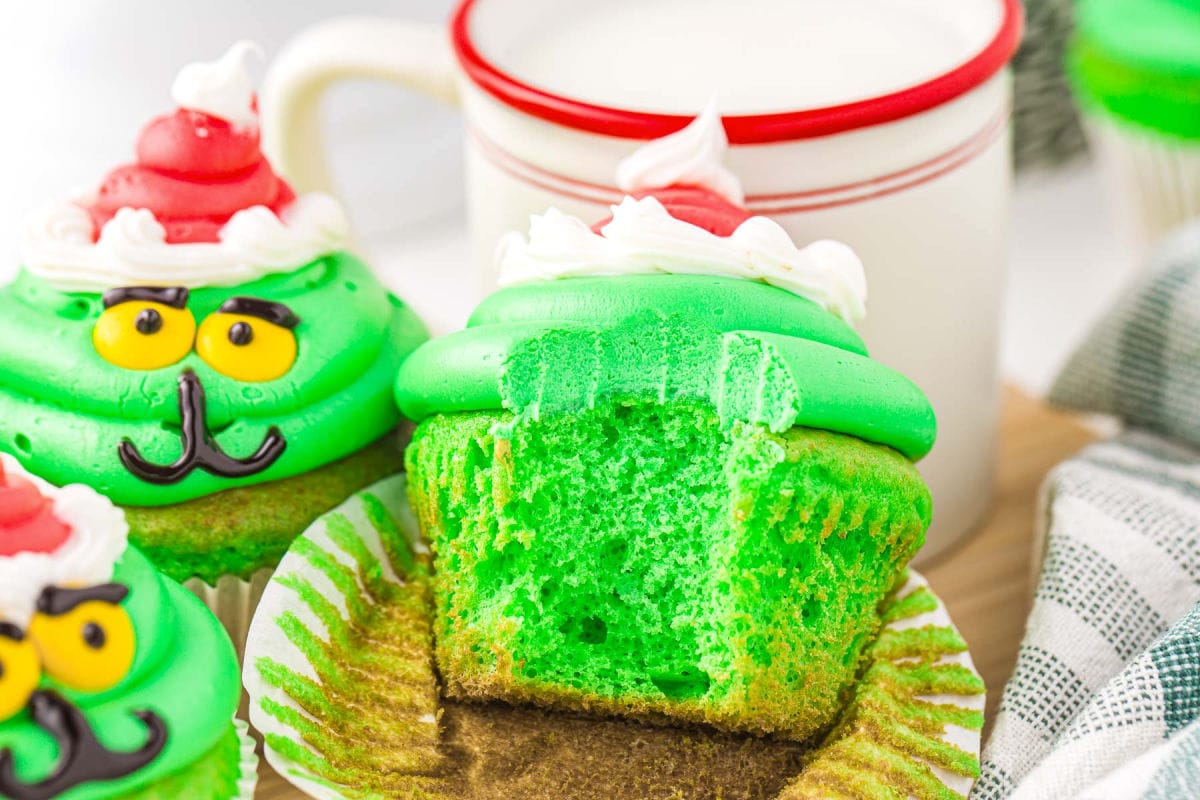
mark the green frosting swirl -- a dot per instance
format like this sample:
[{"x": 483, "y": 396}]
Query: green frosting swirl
[
  {"x": 759, "y": 354},
  {"x": 185, "y": 670},
  {"x": 64, "y": 409}
]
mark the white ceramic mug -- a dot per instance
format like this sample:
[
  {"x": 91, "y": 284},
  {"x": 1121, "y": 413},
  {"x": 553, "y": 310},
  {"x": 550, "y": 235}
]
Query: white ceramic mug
[{"x": 882, "y": 123}]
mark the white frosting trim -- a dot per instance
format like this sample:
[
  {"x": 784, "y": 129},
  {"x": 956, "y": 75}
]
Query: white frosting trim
[
  {"x": 644, "y": 239},
  {"x": 689, "y": 157},
  {"x": 222, "y": 88},
  {"x": 99, "y": 535},
  {"x": 132, "y": 250}
]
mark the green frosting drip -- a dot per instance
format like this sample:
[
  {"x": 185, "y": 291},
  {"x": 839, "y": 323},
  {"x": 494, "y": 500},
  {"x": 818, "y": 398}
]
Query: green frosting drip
[
  {"x": 1140, "y": 60},
  {"x": 185, "y": 670},
  {"x": 64, "y": 409},
  {"x": 756, "y": 353}
]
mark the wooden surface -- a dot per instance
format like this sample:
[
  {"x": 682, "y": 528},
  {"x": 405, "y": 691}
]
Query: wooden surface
[{"x": 985, "y": 582}]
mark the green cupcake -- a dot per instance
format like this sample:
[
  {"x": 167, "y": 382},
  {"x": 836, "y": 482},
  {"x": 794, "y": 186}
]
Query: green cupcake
[
  {"x": 678, "y": 489},
  {"x": 1134, "y": 66},
  {"x": 115, "y": 682},
  {"x": 194, "y": 342}
]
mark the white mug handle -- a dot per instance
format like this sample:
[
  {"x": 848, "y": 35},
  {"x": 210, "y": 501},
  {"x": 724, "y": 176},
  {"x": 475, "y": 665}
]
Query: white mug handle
[{"x": 411, "y": 54}]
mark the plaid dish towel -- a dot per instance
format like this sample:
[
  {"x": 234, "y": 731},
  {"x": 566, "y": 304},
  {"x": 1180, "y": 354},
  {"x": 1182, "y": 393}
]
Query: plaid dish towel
[{"x": 1105, "y": 698}]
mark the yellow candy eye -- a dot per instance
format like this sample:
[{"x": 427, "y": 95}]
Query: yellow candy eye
[
  {"x": 249, "y": 340},
  {"x": 144, "y": 328},
  {"x": 88, "y": 648},
  {"x": 19, "y": 671}
]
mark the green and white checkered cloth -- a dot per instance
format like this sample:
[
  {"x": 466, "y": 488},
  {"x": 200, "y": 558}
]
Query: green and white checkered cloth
[{"x": 1105, "y": 699}]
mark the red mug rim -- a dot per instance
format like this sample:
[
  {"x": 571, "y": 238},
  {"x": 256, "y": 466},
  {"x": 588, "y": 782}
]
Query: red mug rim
[{"x": 747, "y": 128}]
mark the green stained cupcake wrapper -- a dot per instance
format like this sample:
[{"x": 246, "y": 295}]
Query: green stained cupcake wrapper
[{"x": 339, "y": 672}]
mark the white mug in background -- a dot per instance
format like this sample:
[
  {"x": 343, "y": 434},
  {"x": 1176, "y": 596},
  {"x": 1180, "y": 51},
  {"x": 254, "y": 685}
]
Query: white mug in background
[{"x": 882, "y": 123}]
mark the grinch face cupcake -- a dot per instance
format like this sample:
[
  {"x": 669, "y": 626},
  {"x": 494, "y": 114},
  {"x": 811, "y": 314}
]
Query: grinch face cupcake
[
  {"x": 114, "y": 682},
  {"x": 193, "y": 341},
  {"x": 659, "y": 473}
]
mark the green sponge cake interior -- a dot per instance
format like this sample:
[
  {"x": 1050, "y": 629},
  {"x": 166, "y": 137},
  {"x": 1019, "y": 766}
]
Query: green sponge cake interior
[
  {"x": 342, "y": 685},
  {"x": 643, "y": 559},
  {"x": 658, "y": 516}
]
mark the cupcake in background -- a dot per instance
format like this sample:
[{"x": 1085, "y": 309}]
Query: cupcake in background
[
  {"x": 193, "y": 341},
  {"x": 1135, "y": 69},
  {"x": 114, "y": 681}
]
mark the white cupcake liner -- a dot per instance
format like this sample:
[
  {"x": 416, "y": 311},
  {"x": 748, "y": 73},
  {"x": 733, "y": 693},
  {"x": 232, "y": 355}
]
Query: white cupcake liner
[
  {"x": 233, "y": 601},
  {"x": 917, "y": 637},
  {"x": 248, "y": 766},
  {"x": 1153, "y": 178}
]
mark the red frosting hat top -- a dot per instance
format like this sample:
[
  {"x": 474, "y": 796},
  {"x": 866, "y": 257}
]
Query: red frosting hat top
[
  {"x": 27, "y": 521},
  {"x": 697, "y": 205},
  {"x": 684, "y": 172},
  {"x": 49, "y": 536},
  {"x": 201, "y": 206},
  {"x": 684, "y": 213},
  {"x": 200, "y": 165}
]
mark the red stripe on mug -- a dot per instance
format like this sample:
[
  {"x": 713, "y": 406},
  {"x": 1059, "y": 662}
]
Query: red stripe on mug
[
  {"x": 785, "y": 203},
  {"x": 741, "y": 129}
]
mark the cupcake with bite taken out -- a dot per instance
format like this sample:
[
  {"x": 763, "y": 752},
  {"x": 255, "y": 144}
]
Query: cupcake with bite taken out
[
  {"x": 660, "y": 474},
  {"x": 194, "y": 341},
  {"x": 115, "y": 682}
]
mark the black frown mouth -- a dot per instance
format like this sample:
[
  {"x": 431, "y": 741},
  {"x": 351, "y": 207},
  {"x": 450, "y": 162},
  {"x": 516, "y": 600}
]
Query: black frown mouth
[
  {"x": 81, "y": 757},
  {"x": 200, "y": 448}
]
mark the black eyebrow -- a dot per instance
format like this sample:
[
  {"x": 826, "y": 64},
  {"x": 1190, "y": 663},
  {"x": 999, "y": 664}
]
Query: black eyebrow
[
  {"x": 57, "y": 601},
  {"x": 275, "y": 313},
  {"x": 173, "y": 296},
  {"x": 10, "y": 631}
]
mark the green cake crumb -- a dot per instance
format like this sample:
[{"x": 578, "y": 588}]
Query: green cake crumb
[{"x": 646, "y": 560}]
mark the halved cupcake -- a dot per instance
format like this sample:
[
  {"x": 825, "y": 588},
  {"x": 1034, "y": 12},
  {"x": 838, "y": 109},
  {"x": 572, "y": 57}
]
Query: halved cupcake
[{"x": 660, "y": 475}]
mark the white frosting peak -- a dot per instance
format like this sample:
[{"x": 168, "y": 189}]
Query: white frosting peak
[
  {"x": 132, "y": 248},
  {"x": 644, "y": 239},
  {"x": 222, "y": 88},
  {"x": 691, "y": 156},
  {"x": 98, "y": 538}
]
